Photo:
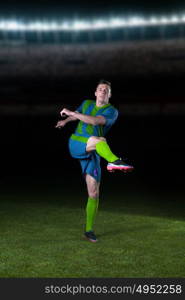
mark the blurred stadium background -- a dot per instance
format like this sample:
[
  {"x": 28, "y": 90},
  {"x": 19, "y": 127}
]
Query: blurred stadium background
[{"x": 52, "y": 56}]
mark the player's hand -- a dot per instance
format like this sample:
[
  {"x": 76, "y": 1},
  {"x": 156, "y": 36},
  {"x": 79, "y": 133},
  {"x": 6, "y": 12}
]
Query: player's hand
[
  {"x": 67, "y": 112},
  {"x": 60, "y": 124}
]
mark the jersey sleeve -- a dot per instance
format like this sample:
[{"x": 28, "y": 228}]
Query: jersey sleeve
[
  {"x": 79, "y": 108},
  {"x": 110, "y": 115}
]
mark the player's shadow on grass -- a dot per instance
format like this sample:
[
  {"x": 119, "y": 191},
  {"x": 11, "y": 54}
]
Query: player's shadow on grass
[{"x": 123, "y": 230}]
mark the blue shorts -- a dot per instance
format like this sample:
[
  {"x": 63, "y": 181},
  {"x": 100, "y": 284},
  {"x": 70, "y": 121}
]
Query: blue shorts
[{"x": 90, "y": 161}]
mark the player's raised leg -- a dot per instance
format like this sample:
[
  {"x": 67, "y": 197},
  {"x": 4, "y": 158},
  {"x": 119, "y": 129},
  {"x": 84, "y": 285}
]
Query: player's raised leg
[
  {"x": 91, "y": 207},
  {"x": 102, "y": 148}
]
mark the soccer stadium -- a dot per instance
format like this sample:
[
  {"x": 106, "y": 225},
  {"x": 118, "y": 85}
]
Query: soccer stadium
[{"x": 50, "y": 60}]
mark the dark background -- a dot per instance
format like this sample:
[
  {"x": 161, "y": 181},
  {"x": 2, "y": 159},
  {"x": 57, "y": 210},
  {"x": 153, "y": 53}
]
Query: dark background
[{"x": 38, "y": 79}]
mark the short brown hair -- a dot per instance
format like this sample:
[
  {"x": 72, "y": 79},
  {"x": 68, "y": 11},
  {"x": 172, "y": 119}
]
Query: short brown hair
[{"x": 103, "y": 81}]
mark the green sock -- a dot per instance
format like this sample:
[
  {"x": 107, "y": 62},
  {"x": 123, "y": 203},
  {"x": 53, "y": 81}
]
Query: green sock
[
  {"x": 103, "y": 149},
  {"x": 91, "y": 210}
]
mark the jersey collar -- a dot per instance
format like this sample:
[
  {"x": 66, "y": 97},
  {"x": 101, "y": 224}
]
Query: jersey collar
[{"x": 104, "y": 106}]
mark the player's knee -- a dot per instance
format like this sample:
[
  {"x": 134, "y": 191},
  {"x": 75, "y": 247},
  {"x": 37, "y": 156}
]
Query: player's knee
[
  {"x": 94, "y": 194},
  {"x": 92, "y": 141},
  {"x": 96, "y": 139},
  {"x": 102, "y": 139}
]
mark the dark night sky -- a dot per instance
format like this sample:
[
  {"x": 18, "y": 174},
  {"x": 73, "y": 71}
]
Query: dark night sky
[{"x": 53, "y": 7}]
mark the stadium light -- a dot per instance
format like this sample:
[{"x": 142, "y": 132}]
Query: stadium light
[
  {"x": 12, "y": 25},
  {"x": 175, "y": 19},
  {"x": 164, "y": 20},
  {"x": 96, "y": 24},
  {"x": 136, "y": 21},
  {"x": 117, "y": 22},
  {"x": 37, "y": 26},
  {"x": 80, "y": 25}
]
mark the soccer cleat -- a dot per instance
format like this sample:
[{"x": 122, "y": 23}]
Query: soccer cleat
[
  {"x": 119, "y": 165},
  {"x": 90, "y": 236}
]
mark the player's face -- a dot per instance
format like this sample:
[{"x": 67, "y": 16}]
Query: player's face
[{"x": 102, "y": 94}]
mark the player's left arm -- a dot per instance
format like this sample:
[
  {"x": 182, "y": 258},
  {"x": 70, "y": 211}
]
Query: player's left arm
[
  {"x": 110, "y": 115},
  {"x": 98, "y": 120}
]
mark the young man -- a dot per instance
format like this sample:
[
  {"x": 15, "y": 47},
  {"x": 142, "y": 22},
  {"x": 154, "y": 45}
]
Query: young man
[{"x": 88, "y": 144}]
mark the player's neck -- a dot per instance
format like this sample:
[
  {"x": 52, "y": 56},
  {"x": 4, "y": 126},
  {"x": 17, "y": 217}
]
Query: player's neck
[{"x": 100, "y": 104}]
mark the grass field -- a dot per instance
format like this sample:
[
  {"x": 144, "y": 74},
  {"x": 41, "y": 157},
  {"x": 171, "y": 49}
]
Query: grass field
[{"x": 141, "y": 234}]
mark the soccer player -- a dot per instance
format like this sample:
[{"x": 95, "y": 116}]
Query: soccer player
[{"x": 88, "y": 144}]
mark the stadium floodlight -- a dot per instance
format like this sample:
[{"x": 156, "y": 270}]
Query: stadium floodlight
[
  {"x": 81, "y": 25},
  {"x": 46, "y": 26},
  {"x": 63, "y": 26},
  {"x": 12, "y": 25},
  {"x": 136, "y": 21},
  {"x": 2, "y": 25},
  {"x": 164, "y": 20},
  {"x": 153, "y": 21},
  {"x": 53, "y": 26},
  {"x": 100, "y": 24},
  {"x": 117, "y": 22},
  {"x": 183, "y": 18},
  {"x": 37, "y": 26},
  {"x": 96, "y": 24},
  {"x": 175, "y": 19}
]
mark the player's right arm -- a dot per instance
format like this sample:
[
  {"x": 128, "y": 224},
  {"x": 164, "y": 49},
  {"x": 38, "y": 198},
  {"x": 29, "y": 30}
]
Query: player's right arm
[{"x": 62, "y": 123}]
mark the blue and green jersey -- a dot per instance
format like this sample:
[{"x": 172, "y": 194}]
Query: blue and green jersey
[{"x": 84, "y": 130}]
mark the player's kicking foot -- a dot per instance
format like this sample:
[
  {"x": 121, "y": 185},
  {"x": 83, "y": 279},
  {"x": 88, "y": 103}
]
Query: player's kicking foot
[
  {"x": 90, "y": 236},
  {"x": 119, "y": 165}
]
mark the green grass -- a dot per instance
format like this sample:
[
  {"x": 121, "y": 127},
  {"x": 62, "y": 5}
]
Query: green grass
[{"x": 140, "y": 235}]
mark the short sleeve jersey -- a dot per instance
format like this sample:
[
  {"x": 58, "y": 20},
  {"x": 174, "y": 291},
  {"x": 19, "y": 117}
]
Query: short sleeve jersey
[{"x": 89, "y": 107}]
